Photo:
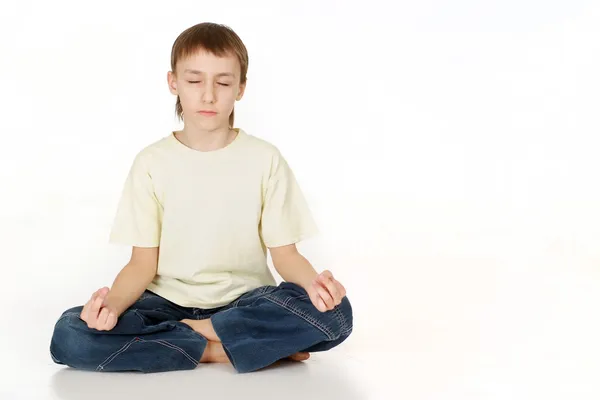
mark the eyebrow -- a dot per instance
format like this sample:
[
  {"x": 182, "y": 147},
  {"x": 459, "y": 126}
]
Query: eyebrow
[{"x": 197, "y": 72}]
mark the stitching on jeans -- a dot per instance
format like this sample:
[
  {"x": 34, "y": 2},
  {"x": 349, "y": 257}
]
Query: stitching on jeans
[
  {"x": 345, "y": 328},
  {"x": 260, "y": 295},
  {"x": 137, "y": 339},
  {"x": 287, "y": 300},
  {"x": 115, "y": 354},
  {"x": 172, "y": 346},
  {"x": 299, "y": 298},
  {"x": 340, "y": 318},
  {"x": 139, "y": 316},
  {"x": 307, "y": 317}
]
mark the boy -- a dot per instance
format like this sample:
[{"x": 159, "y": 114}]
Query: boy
[{"x": 200, "y": 207}]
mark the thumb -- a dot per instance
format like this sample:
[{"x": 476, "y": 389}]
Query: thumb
[
  {"x": 111, "y": 308},
  {"x": 112, "y": 312},
  {"x": 103, "y": 293},
  {"x": 322, "y": 305},
  {"x": 317, "y": 301}
]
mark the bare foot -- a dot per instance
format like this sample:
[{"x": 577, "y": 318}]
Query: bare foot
[
  {"x": 214, "y": 349},
  {"x": 299, "y": 356},
  {"x": 214, "y": 353},
  {"x": 203, "y": 327}
]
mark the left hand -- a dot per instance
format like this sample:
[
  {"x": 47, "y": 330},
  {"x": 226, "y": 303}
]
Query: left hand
[{"x": 325, "y": 291}]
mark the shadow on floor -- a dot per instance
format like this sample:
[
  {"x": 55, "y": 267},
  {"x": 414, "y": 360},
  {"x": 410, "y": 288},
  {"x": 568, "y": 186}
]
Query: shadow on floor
[{"x": 285, "y": 380}]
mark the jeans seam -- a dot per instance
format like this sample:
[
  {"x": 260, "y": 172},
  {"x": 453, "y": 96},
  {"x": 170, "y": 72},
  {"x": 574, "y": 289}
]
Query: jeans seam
[
  {"x": 174, "y": 347},
  {"x": 307, "y": 317},
  {"x": 345, "y": 329},
  {"x": 262, "y": 293},
  {"x": 114, "y": 355},
  {"x": 139, "y": 316},
  {"x": 123, "y": 349},
  {"x": 268, "y": 287}
]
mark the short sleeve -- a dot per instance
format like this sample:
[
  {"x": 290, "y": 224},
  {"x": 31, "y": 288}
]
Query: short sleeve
[
  {"x": 286, "y": 217},
  {"x": 139, "y": 213}
]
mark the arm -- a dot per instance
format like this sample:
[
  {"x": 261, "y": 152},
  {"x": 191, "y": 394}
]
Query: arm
[
  {"x": 324, "y": 290},
  {"x": 133, "y": 279},
  {"x": 293, "y": 266}
]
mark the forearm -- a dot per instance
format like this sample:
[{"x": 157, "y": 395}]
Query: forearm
[
  {"x": 295, "y": 268},
  {"x": 129, "y": 285}
]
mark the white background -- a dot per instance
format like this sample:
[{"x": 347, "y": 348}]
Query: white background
[{"x": 448, "y": 150}]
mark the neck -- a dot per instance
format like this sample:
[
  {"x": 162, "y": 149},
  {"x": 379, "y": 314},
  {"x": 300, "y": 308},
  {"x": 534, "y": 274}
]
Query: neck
[{"x": 205, "y": 140}]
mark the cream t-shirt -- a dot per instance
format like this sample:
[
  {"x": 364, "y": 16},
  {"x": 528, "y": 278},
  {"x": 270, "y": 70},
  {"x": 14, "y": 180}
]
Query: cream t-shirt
[{"x": 213, "y": 215}]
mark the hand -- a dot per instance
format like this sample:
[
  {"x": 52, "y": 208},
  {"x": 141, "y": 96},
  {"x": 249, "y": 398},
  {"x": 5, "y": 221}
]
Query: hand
[
  {"x": 325, "y": 292},
  {"x": 97, "y": 314}
]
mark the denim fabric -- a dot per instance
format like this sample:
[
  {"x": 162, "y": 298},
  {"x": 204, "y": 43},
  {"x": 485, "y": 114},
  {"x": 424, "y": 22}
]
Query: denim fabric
[{"x": 257, "y": 329}]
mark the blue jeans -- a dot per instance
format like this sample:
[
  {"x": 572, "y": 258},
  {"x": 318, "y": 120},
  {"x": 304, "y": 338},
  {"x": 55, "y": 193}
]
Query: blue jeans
[{"x": 257, "y": 329}]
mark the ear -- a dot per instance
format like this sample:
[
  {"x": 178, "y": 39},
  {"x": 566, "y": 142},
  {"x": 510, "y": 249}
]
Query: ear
[
  {"x": 172, "y": 82},
  {"x": 241, "y": 91}
]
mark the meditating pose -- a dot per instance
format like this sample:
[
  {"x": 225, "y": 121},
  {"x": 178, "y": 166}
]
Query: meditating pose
[{"x": 200, "y": 207}]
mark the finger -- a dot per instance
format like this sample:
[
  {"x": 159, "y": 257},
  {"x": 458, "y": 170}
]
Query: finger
[
  {"x": 95, "y": 307},
  {"x": 322, "y": 306},
  {"x": 103, "y": 292},
  {"x": 85, "y": 312},
  {"x": 325, "y": 296},
  {"x": 111, "y": 322},
  {"x": 327, "y": 274},
  {"x": 104, "y": 299},
  {"x": 102, "y": 317},
  {"x": 318, "y": 301},
  {"x": 329, "y": 283},
  {"x": 341, "y": 289},
  {"x": 315, "y": 298}
]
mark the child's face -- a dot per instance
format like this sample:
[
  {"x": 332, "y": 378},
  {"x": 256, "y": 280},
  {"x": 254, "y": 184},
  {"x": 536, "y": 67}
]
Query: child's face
[{"x": 205, "y": 82}]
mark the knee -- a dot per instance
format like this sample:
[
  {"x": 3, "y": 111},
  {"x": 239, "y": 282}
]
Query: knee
[
  {"x": 337, "y": 322},
  {"x": 68, "y": 338},
  {"x": 344, "y": 318}
]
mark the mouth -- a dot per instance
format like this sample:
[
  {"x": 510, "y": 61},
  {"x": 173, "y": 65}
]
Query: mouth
[{"x": 207, "y": 113}]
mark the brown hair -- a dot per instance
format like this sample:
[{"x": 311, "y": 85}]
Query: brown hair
[{"x": 217, "y": 39}]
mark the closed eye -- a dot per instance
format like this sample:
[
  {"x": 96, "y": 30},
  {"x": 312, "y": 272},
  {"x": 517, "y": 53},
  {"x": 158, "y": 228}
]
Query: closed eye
[{"x": 222, "y": 84}]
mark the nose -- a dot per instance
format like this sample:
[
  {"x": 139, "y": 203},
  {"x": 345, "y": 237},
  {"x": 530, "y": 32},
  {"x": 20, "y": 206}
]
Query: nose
[{"x": 208, "y": 96}]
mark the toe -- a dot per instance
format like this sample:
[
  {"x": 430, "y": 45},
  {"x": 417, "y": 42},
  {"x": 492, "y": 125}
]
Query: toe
[{"x": 300, "y": 356}]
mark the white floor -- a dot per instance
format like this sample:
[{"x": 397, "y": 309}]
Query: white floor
[
  {"x": 516, "y": 323},
  {"x": 423, "y": 359},
  {"x": 330, "y": 377},
  {"x": 28, "y": 373}
]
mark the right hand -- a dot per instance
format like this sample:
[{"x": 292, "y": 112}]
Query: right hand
[{"x": 97, "y": 314}]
